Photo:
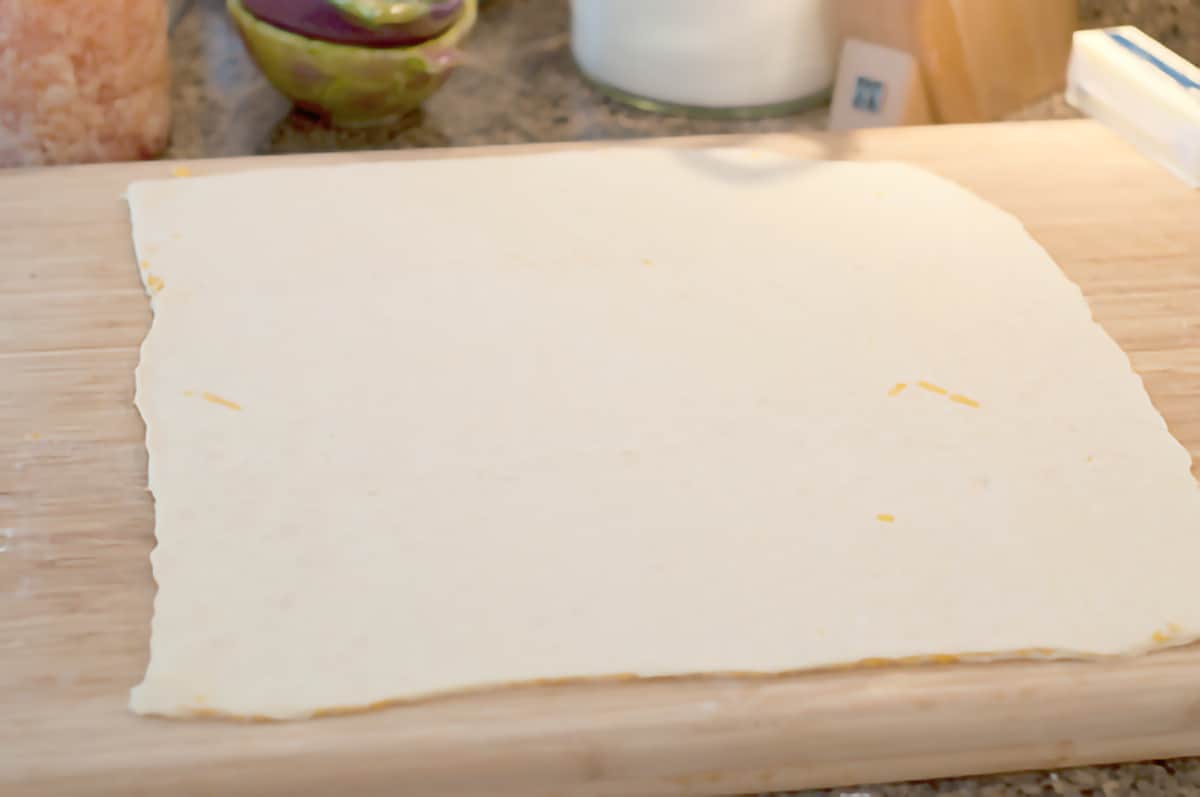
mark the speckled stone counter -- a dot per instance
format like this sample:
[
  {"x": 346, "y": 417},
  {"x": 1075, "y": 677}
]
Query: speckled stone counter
[{"x": 520, "y": 85}]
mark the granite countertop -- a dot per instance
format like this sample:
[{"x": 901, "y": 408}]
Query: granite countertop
[{"x": 519, "y": 86}]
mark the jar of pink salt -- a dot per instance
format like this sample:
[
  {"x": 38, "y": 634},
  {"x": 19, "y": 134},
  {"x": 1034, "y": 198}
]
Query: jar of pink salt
[{"x": 83, "y": 81}]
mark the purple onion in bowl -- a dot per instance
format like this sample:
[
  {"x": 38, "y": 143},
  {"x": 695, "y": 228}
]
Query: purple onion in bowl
[{"x": 318, "y": 19}]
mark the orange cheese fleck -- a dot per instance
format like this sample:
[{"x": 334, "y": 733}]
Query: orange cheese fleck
[
  {"x": 886, "y": 518},
  {"x": 156, "y": 284},
  {"x": 145, "y": 264},
  {"x": 1159, "y": 636},
  {"x": 932, "y": 388},
  {"x": 898, "y": 388},
  {"x": 181, "y": 171},
  {"x": 966, "y": 402},
  {"x": 1044, "y": 652},
  {"x": 215, "y": 399}
]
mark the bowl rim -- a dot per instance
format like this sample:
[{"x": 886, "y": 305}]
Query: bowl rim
[{"x": 447, "y": 39}]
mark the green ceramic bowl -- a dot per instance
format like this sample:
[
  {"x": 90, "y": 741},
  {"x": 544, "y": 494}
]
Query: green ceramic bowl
[{"x": 352, "y": 86}]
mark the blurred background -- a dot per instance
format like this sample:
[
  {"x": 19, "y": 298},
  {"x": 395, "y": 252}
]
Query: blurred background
[
  {"x": 520, "y": 83},
  {"x": 81, "y": 82}
]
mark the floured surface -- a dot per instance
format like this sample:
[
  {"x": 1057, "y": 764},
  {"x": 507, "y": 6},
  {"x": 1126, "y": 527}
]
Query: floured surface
[{"x": 424, "y": 426}]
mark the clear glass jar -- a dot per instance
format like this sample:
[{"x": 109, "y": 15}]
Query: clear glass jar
[
  {"x": 83, "y": 81},
  {"x": 722, "y": 58}
]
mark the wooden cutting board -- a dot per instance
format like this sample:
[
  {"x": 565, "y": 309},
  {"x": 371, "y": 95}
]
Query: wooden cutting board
[{"x": 76, "y": 527}]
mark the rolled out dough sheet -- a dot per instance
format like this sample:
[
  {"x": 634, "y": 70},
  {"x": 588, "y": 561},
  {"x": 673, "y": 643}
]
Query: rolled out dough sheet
[{"x": 428, "y": 426}]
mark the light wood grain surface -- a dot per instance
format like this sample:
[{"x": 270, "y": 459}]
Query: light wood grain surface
[{"x": 76, "y": 527}]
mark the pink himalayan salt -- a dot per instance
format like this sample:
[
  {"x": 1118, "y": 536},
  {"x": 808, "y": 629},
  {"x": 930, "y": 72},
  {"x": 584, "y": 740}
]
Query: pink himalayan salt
[{"x": 82, "y": 81}]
